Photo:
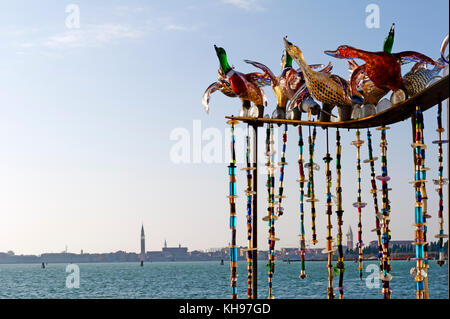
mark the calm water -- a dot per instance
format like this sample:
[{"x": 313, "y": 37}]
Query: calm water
[{"x": 201, "y": 280}]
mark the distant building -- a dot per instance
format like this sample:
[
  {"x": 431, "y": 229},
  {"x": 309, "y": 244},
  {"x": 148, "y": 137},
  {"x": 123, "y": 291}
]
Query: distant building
[
  {"x": 142, "y": 255},
  {"x": 400, "y": 243},
  {"x": 175, "y": 253},
  {"x": 289, "y": 251},
  {"x": 349, "y": 238}
]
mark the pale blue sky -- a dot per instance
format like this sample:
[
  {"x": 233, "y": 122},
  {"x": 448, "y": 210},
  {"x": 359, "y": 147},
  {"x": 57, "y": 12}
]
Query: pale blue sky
[{"x": 86, "y": 114}]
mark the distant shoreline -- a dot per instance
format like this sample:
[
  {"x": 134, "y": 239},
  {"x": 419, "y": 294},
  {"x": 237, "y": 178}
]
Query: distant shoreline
[{"x": 188, "y": 261}]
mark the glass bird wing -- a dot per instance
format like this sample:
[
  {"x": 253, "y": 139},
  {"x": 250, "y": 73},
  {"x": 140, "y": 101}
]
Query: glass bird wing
[
  {"x": 343, "y": 83},
  {"x": 361, "y": 78},
  {"x": 258, "y": 79},
  {"x": 267, "y": 71},
  {"x": 206, "y": 96},
  {"x": 298, "y": 97},
  {"x": 413, "y": 56},
  {"x": 443, "y": 47},
  {"x": 328, "y": 68}
]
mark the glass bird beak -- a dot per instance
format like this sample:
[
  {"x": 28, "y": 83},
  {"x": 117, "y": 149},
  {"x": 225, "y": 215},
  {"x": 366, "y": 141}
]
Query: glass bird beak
[
  {"x": 331, "y": 53},
  {"x": 286, "y": 42}
]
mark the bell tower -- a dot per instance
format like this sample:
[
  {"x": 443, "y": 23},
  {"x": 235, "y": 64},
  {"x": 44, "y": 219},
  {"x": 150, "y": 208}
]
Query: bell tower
[
  {"x": 349, "y": 238},
  {"x": 142, "y": 255}
]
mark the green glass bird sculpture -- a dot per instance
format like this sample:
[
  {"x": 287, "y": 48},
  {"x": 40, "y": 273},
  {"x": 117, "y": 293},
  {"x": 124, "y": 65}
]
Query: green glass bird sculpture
[{"x": 245, "y": 86}]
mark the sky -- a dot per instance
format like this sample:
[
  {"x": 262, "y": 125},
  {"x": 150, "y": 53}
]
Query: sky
[{"x": 94, "y": 101}]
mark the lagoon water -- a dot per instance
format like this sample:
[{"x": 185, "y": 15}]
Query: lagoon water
[{"x": 197, "y": 280}]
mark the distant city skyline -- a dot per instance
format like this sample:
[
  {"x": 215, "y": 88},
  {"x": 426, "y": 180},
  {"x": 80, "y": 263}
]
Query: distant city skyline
[
  {"x": 87, "y": 113},
  {"x": 142, "y": 251},
  {"x": 400, "y": 250}
]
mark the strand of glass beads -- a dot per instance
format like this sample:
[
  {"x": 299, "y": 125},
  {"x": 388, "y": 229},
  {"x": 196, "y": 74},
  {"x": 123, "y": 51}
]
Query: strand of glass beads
[
  {"x": 419, "y": 271},
  {"x": 232, "y": 197},
  {"x": 385, "y": 276},
  {"x": 423, "y": 171},
  {"x": 340, "y": 267},
  {"x": 282, "y": 164},
  {"x": 311, "y": 194},
  {"x": 329, "y": 212},
  {"x": 271, "y": 217},
  {"x": 301, "y": 180},
  {"x": 249, "y": 192},
  {"x": 441, "y": 181},
  {"x": 378, "y": 216},
  {"x": 359, "y": 204}
]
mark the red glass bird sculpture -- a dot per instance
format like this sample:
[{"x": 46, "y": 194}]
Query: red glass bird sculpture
[
  {"x": 382, "y": 68},
  {"x": 371, "y": 93}
]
